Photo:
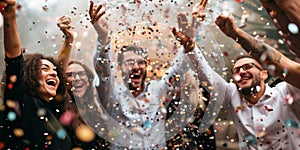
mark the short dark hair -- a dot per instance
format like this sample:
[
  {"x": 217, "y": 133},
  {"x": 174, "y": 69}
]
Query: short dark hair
[
  {"x": 136, "y": 49},
  {"x": 32, "y": 73},
  {"x": 243, "y": 56}
]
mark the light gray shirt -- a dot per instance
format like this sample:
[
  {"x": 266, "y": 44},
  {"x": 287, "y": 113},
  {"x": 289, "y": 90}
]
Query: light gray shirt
[{"x": 139, "y": 122}]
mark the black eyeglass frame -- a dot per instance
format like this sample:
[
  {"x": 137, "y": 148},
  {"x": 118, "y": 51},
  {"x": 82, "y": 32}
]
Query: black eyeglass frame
[
  {"x": 139, "y": 62},
  {"x": 81, "y": 74},
  {"x": 244, "y": 66}
]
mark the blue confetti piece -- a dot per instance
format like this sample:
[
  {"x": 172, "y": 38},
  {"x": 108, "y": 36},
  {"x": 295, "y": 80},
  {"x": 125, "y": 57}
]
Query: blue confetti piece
[
  {"x": 251, "y": 139},
  {"x": 11, "y": 116},
  {"x": 61, "y": 133},
  {"x": 198, "y": 39},
  {"x": 147, "y": 124},
  {"x": 293, "y": 28},
  {"x": 291, "y": 123}
]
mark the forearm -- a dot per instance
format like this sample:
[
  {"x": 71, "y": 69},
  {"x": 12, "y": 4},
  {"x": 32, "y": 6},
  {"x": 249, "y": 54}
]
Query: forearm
[
  {"x": 12, "y": 44},
  {"x": 285, "y": 68},
  {"x": 102, "y": 60},
  {"x": 65, "y": 52}
]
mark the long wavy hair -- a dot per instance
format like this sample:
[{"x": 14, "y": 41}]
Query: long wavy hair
[{"x": 32, "y": 74}]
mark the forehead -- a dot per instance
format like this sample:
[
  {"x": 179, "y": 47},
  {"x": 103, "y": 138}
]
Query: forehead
[
  {"x": 131, "y": 55},
  {"x": 47, "y": 62},
  {"x": 75, "y": 68},
  {"x": 243, "y": 61}
]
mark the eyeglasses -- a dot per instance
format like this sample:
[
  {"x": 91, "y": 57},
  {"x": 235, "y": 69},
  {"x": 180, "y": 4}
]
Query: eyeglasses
[
  {"x": 131, "y": 63},
  {"x": 81, "y": 74},
  {"x": 245, "y": 67}
]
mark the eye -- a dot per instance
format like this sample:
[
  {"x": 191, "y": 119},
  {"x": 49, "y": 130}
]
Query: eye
[
  {"x": 44, "y": 69},
  {"x": 247, "y": 66}
]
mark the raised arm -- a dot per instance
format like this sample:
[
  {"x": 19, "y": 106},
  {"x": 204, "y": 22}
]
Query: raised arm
[
  {"x": 286, "y": 69},
  {"x": 102, "y": 57},
  {"x": 12, "y": 44},
  {"x": 283, "y": 14},
  {"x": 99, "y": 23},
  {"x": 64, "y": 24}
]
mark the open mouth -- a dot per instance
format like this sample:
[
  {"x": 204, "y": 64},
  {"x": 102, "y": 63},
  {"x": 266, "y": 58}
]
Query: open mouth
[
  {"x": 135, "y": 76},
  {"x": 51, "y": 82}
]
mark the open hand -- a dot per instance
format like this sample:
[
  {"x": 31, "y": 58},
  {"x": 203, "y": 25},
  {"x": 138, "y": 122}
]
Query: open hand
[{"x": 99, "y": 23}]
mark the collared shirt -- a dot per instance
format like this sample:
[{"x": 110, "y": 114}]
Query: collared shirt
[
  {"x": 271, "y": 123},
  {"x": 139, "y": 121}
]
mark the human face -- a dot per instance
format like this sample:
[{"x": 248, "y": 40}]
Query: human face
[
  {"x": 78, "y": 79},
  {"x": 49, "y": 80},
  {"x": 248, "y": 74},
  {"x": 133, "y": 69}
]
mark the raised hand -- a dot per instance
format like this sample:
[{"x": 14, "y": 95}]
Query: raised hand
[
  {"x": 227, "y": 25},
  {"x": 199, "y": 10},
  {"x": 184, "y": 25},
  {"x": 186, "y": 34},
  {"x": 8, "y": 8},
  {"x": 99, "y": 23},
  {"x": 65, "y": 25}
]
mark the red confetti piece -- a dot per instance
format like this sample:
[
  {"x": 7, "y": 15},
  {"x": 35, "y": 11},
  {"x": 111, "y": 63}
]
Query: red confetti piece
[
  {"x": 10, "y": 86},
  {"x": 239, "y": 1},
  {"x": 2, "y": 7},
  {"x": 2, "y": 145},
  {"x": 269, "y": 108}
]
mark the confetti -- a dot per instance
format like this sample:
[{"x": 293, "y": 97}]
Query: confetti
[
  {"x": 18, "y": 132},
  {"x": 293, "y": 28},
  {"x": 284, "y": 72},
  {"x": 11, "y": 116},
  {"x": 147, "y": 124},
  {"x": 250, "y": 139},
  {"x": 268, "y": 108},
  {"x": 291, "y": 123},
  {"x": 66, "y": 118},
  {"x": 289, "y": 99},
  {"x": 237, "y": 77},
  {"x": 84, "y": 133},
  {"x": 61, "y": 134}
]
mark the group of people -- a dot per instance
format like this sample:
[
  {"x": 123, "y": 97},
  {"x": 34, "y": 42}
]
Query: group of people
[{"x": 45, "y": 98}]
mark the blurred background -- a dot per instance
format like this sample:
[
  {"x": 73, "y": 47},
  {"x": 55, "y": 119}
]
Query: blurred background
[{"x": 39, "y": 33}]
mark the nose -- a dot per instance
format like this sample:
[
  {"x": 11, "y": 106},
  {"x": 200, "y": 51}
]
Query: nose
[
  {"x": 135, "y": 66},
  {"x": 53, "y": 72}
]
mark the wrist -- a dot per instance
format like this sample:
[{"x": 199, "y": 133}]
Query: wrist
[{"x": 189, "y": 46}]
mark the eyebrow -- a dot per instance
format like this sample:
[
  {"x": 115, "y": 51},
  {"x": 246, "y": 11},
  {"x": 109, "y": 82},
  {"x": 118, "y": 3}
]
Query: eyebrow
[{"x": 45, "y": 65}]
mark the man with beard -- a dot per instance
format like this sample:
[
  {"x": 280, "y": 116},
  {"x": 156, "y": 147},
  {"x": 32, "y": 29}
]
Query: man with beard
[
  {"x": 266, "y": 117},
  {"x": 137, "y": 107}
]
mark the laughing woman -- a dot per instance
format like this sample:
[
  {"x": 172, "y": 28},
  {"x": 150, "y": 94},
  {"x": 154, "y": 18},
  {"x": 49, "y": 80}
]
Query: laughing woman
[{"x": 33, "y": 96}]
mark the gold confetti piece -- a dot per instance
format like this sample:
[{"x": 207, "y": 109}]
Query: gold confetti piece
[
  {"x": 18, "y": 132},
  {"x": 84, "y": 133}
]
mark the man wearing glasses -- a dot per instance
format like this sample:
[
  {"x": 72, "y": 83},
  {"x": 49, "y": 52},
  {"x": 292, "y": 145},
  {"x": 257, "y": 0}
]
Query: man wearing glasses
[{"x": 266, "y": 117}]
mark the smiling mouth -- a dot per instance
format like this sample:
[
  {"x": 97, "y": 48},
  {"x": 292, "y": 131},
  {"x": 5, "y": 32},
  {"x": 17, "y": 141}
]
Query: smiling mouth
[{"x": 51, "y": 82}]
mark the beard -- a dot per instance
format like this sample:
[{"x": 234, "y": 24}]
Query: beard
[
  {"x": 254, "y": 88},
  {"x": 130, "y": 85}
]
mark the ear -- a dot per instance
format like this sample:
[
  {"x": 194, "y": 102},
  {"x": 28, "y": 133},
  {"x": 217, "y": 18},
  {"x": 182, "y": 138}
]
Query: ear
[{"x": 264, "y": 74}]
